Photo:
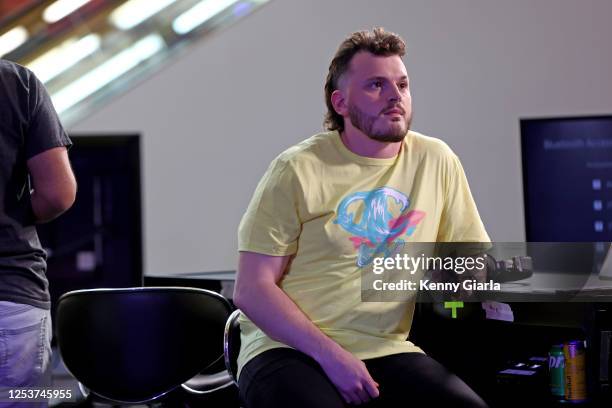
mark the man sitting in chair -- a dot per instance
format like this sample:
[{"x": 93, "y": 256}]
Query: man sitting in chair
[{"x": 323, "y": 209}]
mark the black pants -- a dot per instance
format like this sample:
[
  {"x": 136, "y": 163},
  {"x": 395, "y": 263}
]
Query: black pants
[{"x": 288, "y": 378}]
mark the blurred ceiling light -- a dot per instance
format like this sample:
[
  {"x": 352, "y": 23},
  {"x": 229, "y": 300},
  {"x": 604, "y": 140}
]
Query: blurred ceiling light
[
  {"x": 59, "y": 59},
  {"x": 12, "y": 39},
  {"x": 60, "y": 9},
  {"x": 198, "y": 14},
  {"x": 134, "y": 12},
  {"x": 112, "y": 69}
]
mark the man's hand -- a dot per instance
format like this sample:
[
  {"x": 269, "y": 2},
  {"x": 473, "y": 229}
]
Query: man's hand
[{"x": 349, "y": 375}]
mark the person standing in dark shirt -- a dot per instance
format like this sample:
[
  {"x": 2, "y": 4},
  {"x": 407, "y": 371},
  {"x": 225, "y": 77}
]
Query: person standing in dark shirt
[{"x": 36, "y": 185}]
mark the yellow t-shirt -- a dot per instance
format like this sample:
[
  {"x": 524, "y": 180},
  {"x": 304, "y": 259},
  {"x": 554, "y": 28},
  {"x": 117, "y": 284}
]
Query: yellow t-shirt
[{"x": 326, "y": 206}]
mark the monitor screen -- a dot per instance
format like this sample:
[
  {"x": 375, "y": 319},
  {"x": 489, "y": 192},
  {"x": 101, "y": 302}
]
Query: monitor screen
[
  {"x": 567, "y": 176},
  {"x": 98, "y": 243},
  {"x": 567, "y": 182}
]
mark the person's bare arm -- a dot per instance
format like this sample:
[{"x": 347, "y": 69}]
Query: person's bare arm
[
  {"x": 54, "y": 185},
  {"x": 258, "y": 295}
]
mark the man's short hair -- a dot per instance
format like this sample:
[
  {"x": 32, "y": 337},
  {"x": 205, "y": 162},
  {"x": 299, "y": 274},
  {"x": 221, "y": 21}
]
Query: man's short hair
[{"x": 378, "y": 42}]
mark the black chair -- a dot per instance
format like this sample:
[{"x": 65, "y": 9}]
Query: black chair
[
  {"x": 135, "y": 345},
  {"x": 231, "y": 345}
]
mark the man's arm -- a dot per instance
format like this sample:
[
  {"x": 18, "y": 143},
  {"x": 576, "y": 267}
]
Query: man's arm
[
  {"x": 258, "y": 295},
  {"x": 54, "y": 185}
]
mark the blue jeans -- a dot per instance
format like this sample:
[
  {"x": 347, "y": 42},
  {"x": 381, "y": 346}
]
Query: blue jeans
[{"x": 25, "y": 349}]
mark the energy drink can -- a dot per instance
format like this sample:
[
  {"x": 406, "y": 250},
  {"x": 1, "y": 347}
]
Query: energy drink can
[
  {"x": 575, "y": 372},
  {"x": 556, "y": 368}
]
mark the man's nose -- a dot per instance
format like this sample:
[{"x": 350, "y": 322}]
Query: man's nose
[{"x": 395, "y": 94}]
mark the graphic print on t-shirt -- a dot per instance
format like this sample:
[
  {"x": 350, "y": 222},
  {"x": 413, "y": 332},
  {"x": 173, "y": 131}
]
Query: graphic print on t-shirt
[{"x": 377, "y": 219}]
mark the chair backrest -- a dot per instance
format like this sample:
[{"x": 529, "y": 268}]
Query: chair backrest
[
  {"x": 136, "y": 344},
  {"x": 231, "y": 344}
]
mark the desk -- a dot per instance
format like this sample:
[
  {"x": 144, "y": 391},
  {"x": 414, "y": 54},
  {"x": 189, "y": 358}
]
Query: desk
[
  {"x": 550, "y": 286},
  {"x": 222, "y": 282},
  {"x": 476, "y": 348},
  {"x": 206, "y": 276},
  {"x": 550, "y": 308}
]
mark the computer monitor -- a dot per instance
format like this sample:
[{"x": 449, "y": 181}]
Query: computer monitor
[
  {"x": 567, "y": 184},
  {"x": 98, "y": 242}
]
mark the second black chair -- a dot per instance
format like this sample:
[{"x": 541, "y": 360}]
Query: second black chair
[{"x": 134, "y": 345}]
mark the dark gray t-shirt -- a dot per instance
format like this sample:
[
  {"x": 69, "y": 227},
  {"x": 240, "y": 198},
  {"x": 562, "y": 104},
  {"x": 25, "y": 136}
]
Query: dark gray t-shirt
[{"x": 29, "y": 125}]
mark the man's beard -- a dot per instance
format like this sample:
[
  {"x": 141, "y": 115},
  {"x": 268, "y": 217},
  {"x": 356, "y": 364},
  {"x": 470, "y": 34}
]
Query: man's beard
[{"x": 365, "y": 123}]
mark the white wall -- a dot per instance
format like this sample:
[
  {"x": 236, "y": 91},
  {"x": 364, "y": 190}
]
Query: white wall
[{"x": 214, "y": 119}]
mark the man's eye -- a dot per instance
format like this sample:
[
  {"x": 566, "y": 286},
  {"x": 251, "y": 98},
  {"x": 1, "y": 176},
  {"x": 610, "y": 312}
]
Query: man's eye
[
  {"x": 403, "y": 85},
  {"x": 376, "y": 84}
]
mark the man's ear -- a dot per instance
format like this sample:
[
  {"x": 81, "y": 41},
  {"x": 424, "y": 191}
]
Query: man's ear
[{"x": 338, "y": 101}]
